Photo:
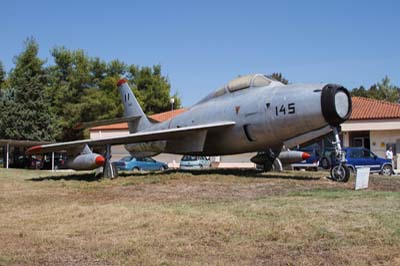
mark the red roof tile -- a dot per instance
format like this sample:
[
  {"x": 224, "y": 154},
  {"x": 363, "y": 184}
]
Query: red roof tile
[
  {"x": 161, "y": 117},
  {"x": 369, "y": 109},
  {"x": 119, "y": 126}
]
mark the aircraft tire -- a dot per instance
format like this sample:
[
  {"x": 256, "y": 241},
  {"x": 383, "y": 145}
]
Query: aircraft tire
[
  {"x": 340, "y": 173},
  {"x": 267, "y": 167}
]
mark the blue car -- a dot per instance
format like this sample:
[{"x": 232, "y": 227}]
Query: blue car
[
  {"x": 130, "y": 163},
  {"x": 194, "y": 162},
  {"x": 361, "y": 157}
]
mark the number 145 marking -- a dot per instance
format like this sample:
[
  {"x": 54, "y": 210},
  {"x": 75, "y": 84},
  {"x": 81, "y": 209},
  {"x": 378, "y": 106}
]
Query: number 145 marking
[{"x": 285, "y": 109}]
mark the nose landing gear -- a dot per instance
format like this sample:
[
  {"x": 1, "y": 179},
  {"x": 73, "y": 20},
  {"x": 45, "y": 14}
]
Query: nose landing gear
[{"x": 340, "y": 172}]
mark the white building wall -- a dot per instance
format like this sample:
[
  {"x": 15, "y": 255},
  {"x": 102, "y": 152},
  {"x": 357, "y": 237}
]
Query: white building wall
[
  {"x": 118, "y": 151},
  {"x": 379, "y": 139},
  {"x": 366, "y": 125},
  {"x": 107, "y": 133},
  {"x": 346, "y": 139}
]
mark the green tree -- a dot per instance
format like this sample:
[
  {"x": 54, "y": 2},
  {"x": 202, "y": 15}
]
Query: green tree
[
  {"x": 388, "y": 91},
  {"x": 85, "y": 89},
  {"x": 361, "y": 92},
  {"x": 2, "y": 75},
  {"x": 72, "y": 74},
  {"x": 98, "y": 70},
  {"x": 76, "y": 88},
  {"x": 383, "y": 90},
  {"x": 152, "y": 89},
  {"x": 279, "y": 77},
  {"x": 116, "y": 68},
  {"x": 25, "y": 115}
]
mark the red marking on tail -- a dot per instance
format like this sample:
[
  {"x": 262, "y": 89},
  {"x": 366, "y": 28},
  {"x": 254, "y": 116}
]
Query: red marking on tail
[{"x": 121, "y": 81}]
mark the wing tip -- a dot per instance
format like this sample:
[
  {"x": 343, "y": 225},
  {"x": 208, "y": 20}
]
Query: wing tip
[{"x": 34, "y": 149}]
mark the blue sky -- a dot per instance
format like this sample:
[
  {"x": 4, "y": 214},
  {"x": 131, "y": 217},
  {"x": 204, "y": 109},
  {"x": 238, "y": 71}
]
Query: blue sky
[{"x": 203, "y": 44}]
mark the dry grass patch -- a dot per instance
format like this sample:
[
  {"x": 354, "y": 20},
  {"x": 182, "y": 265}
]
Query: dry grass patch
[{"x": 192, "y": 218}]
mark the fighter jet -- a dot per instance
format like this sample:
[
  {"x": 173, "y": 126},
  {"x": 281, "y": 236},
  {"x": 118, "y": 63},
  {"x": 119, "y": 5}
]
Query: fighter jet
[{"x": 251, "y": 113}]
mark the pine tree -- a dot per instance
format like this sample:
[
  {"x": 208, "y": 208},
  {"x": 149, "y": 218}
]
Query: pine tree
[
  {"x": 383, "y": 90},
  {"x": 2, "y": 75},
  {"x": 25, "y": 115},
  {"x": 279, "y": 77},
  {"x": 152, "y": 89},
  {"x": 361, "y": 92}
]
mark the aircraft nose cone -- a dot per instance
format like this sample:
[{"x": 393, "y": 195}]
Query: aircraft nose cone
[
  {"x": 305, "y": 156},
  {"x": 100, "y": 160}
]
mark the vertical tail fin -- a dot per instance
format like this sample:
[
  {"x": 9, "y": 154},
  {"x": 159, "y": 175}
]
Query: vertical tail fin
[{"x": 132, "y": 108}]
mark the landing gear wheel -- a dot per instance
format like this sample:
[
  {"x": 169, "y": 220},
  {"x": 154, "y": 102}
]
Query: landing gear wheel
[
  {"x": 340, "y": 173},
  {"x": 268, "y": 166},
  {"x": 275, "y": 166}
]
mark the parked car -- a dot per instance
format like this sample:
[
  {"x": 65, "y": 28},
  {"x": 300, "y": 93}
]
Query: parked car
[
  {"x": 59, "y": 161},
  {"x": 194, "y": 162},
  {"x": 326, "y": 158},
  {"x": 27, "y": 162},
  {"x": 362, "y": 157},
  {"x": 311, "y": 163},
  {"x": 129, "y": 163}
]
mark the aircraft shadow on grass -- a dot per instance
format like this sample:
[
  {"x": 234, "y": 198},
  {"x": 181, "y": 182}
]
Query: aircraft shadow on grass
[
  {"x": 89, "y": 177},
  {"x": 245, "y": 173}
]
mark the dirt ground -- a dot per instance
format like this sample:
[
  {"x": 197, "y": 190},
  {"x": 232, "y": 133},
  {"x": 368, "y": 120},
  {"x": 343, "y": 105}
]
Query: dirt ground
[{"x": 216, "y": 217}]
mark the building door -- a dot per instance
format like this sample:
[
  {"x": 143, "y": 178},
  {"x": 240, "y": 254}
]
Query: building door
[{"x": 360, "y": 139}]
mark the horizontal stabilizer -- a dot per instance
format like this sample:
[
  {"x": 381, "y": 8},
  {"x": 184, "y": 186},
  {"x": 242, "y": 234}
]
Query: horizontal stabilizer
[{"x": 163, "y": 134}]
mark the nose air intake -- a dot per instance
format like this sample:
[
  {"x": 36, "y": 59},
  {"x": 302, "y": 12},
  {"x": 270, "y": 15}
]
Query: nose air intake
[{"x": 336, "y": 104}]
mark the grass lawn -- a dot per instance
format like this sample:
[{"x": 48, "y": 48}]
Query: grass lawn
[{"x": 220, "y": 217}]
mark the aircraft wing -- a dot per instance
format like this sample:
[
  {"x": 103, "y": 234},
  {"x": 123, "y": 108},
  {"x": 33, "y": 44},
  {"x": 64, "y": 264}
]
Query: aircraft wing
[{"x": 164, "y": 134}]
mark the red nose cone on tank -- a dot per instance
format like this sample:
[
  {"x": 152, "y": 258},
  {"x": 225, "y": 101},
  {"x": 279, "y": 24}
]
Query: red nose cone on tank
[
  {"x": 305, "y": 156},
  {"x": 100, "y": 160}
]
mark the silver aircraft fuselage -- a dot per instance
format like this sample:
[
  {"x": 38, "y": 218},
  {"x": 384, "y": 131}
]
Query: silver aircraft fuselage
[{"x": 265, "y": 117}]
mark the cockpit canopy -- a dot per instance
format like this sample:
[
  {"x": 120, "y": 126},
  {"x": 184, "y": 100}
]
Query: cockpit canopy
[
  {"x": 241, "y": 83},
  {"x": 247, "y": 81}
]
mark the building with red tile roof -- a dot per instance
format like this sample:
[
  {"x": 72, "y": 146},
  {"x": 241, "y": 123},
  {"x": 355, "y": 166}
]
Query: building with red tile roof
[{"x": 373, "y": 124}]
